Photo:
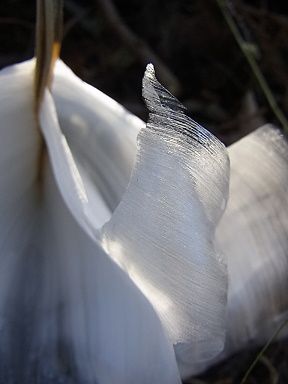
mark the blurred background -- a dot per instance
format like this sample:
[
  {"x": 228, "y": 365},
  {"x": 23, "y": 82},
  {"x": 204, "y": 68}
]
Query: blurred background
[{"x": 108, "y": 44}]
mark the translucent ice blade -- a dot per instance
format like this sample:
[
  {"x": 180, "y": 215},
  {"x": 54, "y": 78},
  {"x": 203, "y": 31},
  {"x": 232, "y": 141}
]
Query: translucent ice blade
[
  {"x": 162, "y": 232},
  {"x": 253, "y": 234}
]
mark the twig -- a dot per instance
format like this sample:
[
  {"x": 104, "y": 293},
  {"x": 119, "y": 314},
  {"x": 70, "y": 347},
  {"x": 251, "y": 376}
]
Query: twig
[
  {"x": 260, "y": 13},
  {"x": 138, "y": 46},
  {"x": 72, "y": 22},
  {"x": 78, "y": 11},
  {"x": 48, "y": 43},
  {"x": 263, "y": 350},
  {"x": 274, "y": 377},
  {"x": 253, "y": 64}
]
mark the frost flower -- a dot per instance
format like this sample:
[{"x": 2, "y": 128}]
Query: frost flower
[
  {"x": 100, "y": 280},
  {"x": 109, "y": 268}
]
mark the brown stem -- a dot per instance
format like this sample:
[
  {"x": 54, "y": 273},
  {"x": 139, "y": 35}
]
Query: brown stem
[{"x": 48, "y": 42}]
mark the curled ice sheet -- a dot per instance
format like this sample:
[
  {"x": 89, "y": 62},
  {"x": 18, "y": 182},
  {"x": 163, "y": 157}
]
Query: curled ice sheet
[
  {"x": 101, "y": 135},
  {"x": 162, "y": 232},
  {"x": 68, "y": 313},
  {"x": 253, "y": 233},
  {"x": 91, "y": 135}
]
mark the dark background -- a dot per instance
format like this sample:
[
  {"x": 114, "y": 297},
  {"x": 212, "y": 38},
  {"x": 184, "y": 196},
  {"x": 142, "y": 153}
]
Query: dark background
[
  {"x": 108, "y": 44},
  {"x": 189, "y": 38}
]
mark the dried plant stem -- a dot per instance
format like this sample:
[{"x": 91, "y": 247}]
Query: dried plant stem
[
  {"x": 47, "y": 50},
  {"x": 248, "y": 54},
  {"x": 48, "y": 42}
]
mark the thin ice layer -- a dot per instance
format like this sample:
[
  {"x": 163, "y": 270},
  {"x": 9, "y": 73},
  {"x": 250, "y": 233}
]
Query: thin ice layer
[
  {"x": 253, "y": 234},
  {"x": 162, "y": 233},
  {"x": 19, "y": 166}
]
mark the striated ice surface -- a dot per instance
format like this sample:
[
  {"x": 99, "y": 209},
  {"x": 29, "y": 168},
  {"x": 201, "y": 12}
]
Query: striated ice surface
[
  {"x": 162, "y": 232},
  {"x": 254, "y": 235}
]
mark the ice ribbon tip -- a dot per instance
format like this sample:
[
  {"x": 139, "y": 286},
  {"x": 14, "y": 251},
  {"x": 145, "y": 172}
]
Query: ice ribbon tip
[
  {"x": 157, "y": 98},
  {"x": 150, "y": 71}
]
